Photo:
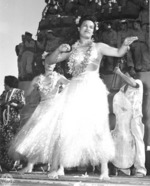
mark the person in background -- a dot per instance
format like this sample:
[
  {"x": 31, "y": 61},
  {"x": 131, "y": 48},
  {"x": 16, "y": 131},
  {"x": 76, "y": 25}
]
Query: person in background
[
  {"x": 127, "y": 106},
  {"x": 52, "y": 41},
  {"x": 109, "y": 36},
  {"x": 27, "y": 57},
  {"x": 40, "y": 43},
  {"x": 12, "y": 101},
  {"x": 147, "y": 35},
  {"x": 122, "y": 34},
  {"x": 19, "y": 51},
  {"x": 140, "y": 49}
]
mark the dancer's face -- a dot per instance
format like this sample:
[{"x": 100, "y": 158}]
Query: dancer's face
[{"x": 86, "y": 29}]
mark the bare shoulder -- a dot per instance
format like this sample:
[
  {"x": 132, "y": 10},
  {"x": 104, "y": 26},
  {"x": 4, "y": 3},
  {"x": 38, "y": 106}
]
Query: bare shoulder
[
  {"x": 100, "y": 45},
  {"x": 35, "y": 79}
]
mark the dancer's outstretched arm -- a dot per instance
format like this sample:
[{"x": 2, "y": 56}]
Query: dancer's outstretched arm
[{"x": 115, "y": 52}]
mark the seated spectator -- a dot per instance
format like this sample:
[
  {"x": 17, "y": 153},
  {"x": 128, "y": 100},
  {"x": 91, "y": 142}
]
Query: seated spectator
[{"x": 52, "y": 41}]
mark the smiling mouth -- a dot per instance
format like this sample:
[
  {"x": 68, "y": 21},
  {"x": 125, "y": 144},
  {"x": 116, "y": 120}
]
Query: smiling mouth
[{"x": 87, "y": 32}]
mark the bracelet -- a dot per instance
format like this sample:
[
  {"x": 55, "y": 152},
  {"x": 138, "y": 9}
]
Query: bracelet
[
  {"x": 125, "y": 44},
  {"x": 14, "y": 104},
  {"x": 128, "y": 46}
]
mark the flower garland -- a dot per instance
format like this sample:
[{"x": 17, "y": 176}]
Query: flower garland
[{"x": 75, "y": 70}]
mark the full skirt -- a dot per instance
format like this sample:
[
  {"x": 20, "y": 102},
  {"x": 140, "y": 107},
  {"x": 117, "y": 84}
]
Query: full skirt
[{"x": 85, "y": 134}]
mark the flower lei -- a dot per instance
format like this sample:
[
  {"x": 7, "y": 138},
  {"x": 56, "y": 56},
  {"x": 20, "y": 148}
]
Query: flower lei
[
  {"x": 76, "y": 70},
  {"x": 46, "y": 88}
]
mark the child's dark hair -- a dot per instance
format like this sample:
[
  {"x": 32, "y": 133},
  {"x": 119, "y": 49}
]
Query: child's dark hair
[{"x": 11, "y": 81}]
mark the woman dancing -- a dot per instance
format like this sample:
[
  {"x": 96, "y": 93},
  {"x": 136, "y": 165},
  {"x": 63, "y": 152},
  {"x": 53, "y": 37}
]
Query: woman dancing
[
  {"x": 36, "y": 140},
  {"x": 84, "y": 131}
]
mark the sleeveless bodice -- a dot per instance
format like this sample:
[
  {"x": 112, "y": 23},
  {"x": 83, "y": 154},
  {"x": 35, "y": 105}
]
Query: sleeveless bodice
[
  {"x": 82, "y": 60},
  {"x": 47, "y": 88}
]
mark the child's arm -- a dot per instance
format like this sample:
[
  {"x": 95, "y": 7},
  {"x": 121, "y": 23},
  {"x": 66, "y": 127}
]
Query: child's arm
[
  {"x": 129, "y": 80},
  {"x": 31, "y": 86}
]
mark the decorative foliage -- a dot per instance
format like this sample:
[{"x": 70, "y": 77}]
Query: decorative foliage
[
  {"x": 97, "y": 25},
  {"x": 74, "y": 69},
  {"x": 77, "y": 20}
]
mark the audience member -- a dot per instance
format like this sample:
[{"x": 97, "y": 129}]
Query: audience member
[
  {"x": 109, "y": 36},
  {"x": 27, "y": 57},
  {"x": 11, "y": 102},
  {"x": 40, "y": 44},
  {"x": 122, "y": 34},
  {"x": 139, "y": 48},
  {"x": 19, "y": 51}
]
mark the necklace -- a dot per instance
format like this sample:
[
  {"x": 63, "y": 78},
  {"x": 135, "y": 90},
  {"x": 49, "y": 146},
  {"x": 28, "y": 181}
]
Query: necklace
[{"x": 75, "y": 70}]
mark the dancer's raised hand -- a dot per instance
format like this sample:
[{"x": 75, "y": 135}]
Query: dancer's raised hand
[
  {"x": 129, "y": 40},
  {"x": 64, "y": 48}
]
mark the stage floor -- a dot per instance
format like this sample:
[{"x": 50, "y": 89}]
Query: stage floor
[{"x": 41, "y": 179}]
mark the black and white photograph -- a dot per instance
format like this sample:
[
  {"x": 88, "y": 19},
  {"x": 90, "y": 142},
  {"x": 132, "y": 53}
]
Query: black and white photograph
[{"x": 74, "y": 93}]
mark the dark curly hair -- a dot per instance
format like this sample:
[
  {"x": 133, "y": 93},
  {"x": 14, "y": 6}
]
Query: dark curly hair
[
  {"x": 11, "y": 81},
  {"x": 88, "y": 18}
]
